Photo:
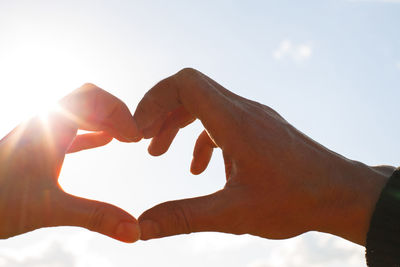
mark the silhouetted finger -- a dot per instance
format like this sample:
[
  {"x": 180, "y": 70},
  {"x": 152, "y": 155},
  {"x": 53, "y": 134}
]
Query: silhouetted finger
[
  {"x": 89, "y": 141},
  {"x": 161, "y": 142},
  {"x": 202, "y": 153},
  {"x": 106, "y": 219},
  {"x": 94, "y": 109},
  {"x": 215, "y": 212},
  {"x": 195, "y": 93}
]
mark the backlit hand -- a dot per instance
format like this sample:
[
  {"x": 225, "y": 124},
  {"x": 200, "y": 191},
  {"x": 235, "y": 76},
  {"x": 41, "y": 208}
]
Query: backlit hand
[
  {"x": 279, "y": 182},
  {"x": 31, "y": 157}
]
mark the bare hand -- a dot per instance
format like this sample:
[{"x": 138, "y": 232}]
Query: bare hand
[
  {"x": 31, "y": 157},
  {"x": 279, "y": 182}
]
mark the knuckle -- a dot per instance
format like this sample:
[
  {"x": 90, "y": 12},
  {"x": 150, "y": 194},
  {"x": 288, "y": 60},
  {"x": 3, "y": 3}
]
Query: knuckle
[
  {"x": 88, "y": 86},
  {"x": 159, "y": 89},
  {"x": 187, "y": 81},
  {"x": 96, "y": 218},
  {"x": 114, "y": 110},
  {"x": 90, "y": 90},
  {"x": 187, "y": 72},
  {"x": 85, "y": 93},
  {"x": 154, "y": 103}
]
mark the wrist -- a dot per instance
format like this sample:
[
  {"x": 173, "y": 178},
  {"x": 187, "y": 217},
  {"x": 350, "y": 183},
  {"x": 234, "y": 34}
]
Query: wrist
[{"x": 350, "y": 199}]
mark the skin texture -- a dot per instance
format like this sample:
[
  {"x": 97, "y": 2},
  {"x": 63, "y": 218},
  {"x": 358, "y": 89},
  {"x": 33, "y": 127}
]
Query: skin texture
[
  {"x": 31, "y": 157},
  {"x": 279, "y": 182}
]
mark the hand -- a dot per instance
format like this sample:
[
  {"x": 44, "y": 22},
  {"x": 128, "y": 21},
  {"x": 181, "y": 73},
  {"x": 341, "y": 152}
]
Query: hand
[
  {"x": 31, "y": 157},
  {"x": 279, "y": 182}
]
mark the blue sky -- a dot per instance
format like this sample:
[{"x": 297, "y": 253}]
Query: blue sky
[{"x": 331, "y": 68}]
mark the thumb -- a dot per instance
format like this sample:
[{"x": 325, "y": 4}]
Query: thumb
[
  {"x": 207, "y": 213},
  {"x": 96, "y": 216}
]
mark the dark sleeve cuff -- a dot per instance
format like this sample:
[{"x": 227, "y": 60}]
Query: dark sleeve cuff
[{"x": 383, "y": 238}]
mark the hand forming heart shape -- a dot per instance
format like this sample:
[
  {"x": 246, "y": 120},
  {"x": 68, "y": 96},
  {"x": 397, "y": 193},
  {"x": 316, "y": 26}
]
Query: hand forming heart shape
[
  {"x": 279, "y": 182},
  {"x": 31, "y": 157}
]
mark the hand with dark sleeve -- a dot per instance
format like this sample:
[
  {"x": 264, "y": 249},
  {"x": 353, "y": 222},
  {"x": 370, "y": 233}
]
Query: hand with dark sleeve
[{"x": 279, "y": 182}]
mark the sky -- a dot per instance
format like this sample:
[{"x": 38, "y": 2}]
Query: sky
[{"x": 331, "y": 68}]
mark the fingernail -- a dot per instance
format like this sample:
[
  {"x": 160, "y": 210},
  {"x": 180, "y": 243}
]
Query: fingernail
[
  {"x": 136, "y": 138},
  {"x": 131, "y": 138},
  {"x": 128, "y": 232},
  {"x": 132, "y": 133},
  {"x": 136, "y": 135},
  {"x": 150, "y": 229}
]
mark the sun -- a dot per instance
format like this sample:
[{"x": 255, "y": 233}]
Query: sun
[{"x": 35, "y": 76}]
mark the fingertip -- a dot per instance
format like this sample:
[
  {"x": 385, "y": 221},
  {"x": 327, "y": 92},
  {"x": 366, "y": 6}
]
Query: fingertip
[
  {"x": 149, "y": 229},
  {"x": 137, "y": 138},
  {"x": 128, "y": 139},
  {"x": 156, "y": 148},
  {"x": 195, "y": 168},
  {"x": 134, "y": 134},
  {"x": 128, "y": 232},
  {"x": 137, "y": 134},
  {"x": 196, "y": 172},
  {"x": 154, "y": 151},
  {"x": 200, "y": 161}
]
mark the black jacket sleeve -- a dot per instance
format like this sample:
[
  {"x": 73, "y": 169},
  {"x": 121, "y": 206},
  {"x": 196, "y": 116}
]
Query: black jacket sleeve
[{"x": 383, "y": 238}]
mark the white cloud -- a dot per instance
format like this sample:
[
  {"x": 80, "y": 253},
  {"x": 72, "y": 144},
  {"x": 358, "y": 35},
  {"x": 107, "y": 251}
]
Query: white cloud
[
  {"x": 297, "y": 52},
  {"x": 398, "y": 65},
  {"x": 216, "y": 242},
  {"x": 54, "y": 256},
  {"x": 303, "y": 51},
  {"x": 73, "y": 251},
  {"x": 308, "y": 250},
  {"x": 283, "y": 49},
  {"x": 312, "y": 250}
]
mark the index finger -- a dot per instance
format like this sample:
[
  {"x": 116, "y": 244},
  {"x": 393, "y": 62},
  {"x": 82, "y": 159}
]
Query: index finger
[
  {"x": 92, "y": 108},
  {"x": 200, "y": 96}
]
